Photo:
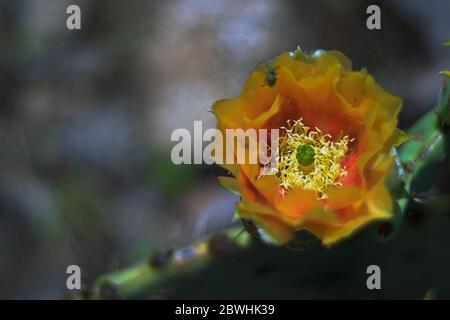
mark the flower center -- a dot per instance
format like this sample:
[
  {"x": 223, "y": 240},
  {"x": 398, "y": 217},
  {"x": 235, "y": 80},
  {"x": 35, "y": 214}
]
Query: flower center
[
  {"x": 310, "y": 159},
  {"x": 305, "y": 155}
]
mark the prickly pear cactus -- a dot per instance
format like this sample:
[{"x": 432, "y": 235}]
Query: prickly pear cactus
[{"x": 238, "y": 263}]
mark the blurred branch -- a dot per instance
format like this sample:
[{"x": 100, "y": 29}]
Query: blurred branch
[{"x": 135, "y": 281}]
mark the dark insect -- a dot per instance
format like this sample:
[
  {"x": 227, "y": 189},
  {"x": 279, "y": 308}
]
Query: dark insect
[
  {"x": 271, "y": 77},
  {"x": 270, "y": 70}
]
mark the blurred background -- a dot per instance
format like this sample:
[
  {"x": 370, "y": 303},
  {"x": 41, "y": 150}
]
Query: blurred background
[{"x": 86, "y": 117}]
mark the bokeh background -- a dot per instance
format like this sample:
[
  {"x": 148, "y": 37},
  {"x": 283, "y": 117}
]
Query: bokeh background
[{"x": 86, "y": 118}]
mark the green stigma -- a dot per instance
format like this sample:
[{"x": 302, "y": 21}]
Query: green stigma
[{"x": 305, "y": 155}]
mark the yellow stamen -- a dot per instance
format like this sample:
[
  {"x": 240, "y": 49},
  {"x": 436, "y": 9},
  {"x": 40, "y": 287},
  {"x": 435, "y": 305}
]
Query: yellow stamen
[{"x": 319, "y": 174}]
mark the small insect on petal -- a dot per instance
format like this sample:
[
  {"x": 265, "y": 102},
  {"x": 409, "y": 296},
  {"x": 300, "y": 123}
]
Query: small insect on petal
[{"x": 271, "y": 77}]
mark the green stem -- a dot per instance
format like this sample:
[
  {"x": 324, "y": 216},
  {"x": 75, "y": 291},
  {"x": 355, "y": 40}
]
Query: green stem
[{"x": 146, "y": 276}]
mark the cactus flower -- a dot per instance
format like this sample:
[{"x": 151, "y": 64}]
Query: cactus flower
[{"x": 337, "y": 130}]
